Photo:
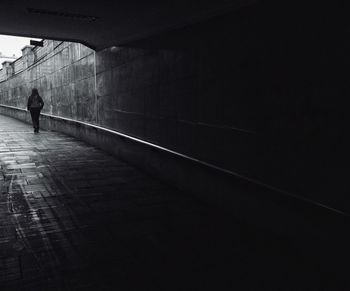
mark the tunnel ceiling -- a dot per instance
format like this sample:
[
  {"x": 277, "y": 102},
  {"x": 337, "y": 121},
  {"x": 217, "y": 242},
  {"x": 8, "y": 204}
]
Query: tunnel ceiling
[{"x": 104, "y": 23}]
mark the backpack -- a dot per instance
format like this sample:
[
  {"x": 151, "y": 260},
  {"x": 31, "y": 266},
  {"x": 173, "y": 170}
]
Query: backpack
[{"x": 35, "y": 102}]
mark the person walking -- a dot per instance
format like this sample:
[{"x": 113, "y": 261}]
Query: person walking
[{"x": 35, "y": 105}]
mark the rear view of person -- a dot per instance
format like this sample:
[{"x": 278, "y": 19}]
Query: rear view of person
[{"x": 35, "y": 104}]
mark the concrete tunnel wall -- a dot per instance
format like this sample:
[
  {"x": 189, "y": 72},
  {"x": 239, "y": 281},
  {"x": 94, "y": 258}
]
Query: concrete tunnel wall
[{"x": 237, "y": 91}]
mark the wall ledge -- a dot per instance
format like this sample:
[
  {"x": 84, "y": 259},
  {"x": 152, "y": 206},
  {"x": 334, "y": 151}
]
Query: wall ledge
[
  {"x": 248, "y": 200},
  {"x": 180, "y": 155}
]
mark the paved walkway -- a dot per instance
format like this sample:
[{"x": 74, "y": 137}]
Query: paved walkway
[{"x": 74, "y": 218}]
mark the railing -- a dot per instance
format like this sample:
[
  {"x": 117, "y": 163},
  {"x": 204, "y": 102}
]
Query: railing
[{"x": 292, "y": 198}]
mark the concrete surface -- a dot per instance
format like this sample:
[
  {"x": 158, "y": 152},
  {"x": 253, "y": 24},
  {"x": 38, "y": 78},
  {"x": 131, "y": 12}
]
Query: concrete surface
[
  {"x": 237, "y": 91},
  {"x": 74, "y": 218}
]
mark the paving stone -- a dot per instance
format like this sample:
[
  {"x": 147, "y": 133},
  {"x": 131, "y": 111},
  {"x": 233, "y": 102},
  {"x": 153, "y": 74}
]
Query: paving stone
[{"x": 74, "y": 218}]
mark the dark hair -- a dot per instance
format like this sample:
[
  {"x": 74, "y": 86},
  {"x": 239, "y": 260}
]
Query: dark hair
[{"x": 35, "y": 92}]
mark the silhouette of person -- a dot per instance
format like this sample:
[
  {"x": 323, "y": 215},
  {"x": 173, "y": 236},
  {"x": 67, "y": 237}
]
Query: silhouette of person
[{"x": 34, "y": 105}]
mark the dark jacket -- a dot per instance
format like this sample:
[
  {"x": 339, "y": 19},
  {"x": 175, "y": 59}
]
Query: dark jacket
[{"x": 35, "y": 105}]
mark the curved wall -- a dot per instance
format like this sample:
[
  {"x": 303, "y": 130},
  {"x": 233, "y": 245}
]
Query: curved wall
[{"x": 239, "y": 92}]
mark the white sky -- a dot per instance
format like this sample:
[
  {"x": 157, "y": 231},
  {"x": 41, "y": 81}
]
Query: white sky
[{"x": 10, "y": 45}]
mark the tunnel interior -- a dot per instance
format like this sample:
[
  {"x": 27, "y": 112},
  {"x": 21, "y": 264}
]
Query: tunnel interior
[
  {"x": 237, "y": 91},
  {"x": 245, "y": 110}
]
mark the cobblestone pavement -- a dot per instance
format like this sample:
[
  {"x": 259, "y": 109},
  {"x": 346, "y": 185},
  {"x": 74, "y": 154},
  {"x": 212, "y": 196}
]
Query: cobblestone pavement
[{"x": 74, "y": 218}]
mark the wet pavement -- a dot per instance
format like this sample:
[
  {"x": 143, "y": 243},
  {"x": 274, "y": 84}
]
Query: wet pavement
[{"x": 74, "y": 218}]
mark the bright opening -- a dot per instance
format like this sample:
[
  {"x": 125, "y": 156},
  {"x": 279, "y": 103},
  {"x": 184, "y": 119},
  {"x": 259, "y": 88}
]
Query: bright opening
[{"x": 10, "y": 47}]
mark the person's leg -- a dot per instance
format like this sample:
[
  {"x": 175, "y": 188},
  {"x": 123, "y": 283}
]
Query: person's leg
[
  {"x": 37, "y": 113},
  {"x": 37, "y": 120},
  {"x": 32, "y": 114}
]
